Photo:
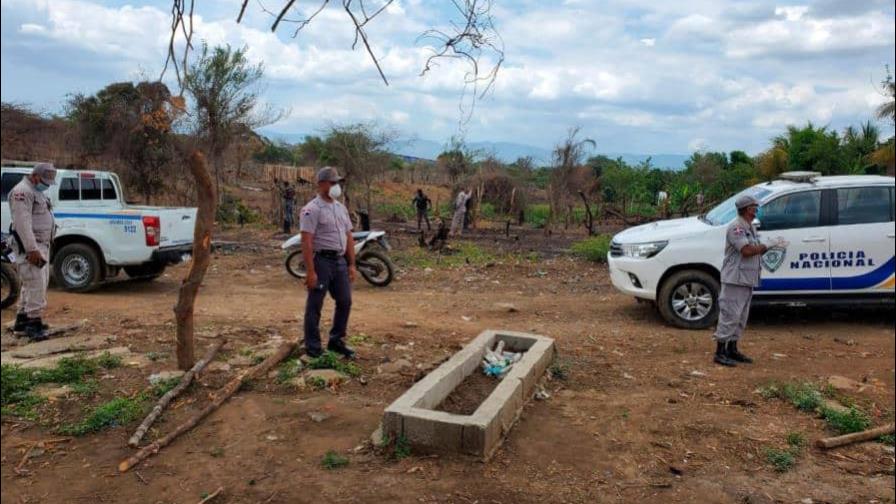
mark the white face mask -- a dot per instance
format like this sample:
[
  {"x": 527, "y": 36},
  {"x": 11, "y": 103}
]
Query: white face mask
[{"x": 335, "y": 191}]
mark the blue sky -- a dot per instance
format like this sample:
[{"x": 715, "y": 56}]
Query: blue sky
[{"x": 637, "y": 76}]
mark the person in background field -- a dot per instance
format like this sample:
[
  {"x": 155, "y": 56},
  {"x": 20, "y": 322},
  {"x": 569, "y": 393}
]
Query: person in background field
[
  {"x": 276, "y": 202},
  {"x": 460, "y": 212},
  {"x": 289, "y": 206},
  {"x": 740, "y": 274},
  {"x": 32, "y": 229},
  {"x": 329, "y": 253},
  {"x": 423, "y": 204}
]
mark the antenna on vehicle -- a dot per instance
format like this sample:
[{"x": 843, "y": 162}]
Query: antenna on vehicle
[{"x": 799, "y": 176}]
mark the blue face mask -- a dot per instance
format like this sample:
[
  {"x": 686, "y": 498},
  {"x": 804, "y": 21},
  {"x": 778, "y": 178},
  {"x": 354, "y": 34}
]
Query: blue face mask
[{"x": 40, "y": 186}]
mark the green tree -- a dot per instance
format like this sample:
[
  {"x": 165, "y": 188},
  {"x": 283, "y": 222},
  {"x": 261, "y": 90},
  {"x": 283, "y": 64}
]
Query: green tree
[
  {"x": 132, "y": 123},
  {"x": 360, "y": 150},
  {"x": 887, "y": 110},
  {"x": 812, "y": 149},
  {"x": 456, "y": 160},
  {"x": 223, "y": 86}
]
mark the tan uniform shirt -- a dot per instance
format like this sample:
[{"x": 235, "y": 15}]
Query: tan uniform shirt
[
  {"x": 737, "y": 269},
  {"x": 32, "y": 215}
]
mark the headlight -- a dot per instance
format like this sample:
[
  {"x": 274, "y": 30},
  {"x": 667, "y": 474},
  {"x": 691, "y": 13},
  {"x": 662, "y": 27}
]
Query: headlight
[{"x": 643, "y": 250}]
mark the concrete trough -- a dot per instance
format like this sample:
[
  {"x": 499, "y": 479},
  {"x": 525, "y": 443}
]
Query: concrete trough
[{"x": 413, "y": 417}]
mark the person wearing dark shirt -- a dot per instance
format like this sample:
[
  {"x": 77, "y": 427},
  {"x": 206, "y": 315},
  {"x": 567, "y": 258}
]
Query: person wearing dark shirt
[{"x": 423, "y": 204}]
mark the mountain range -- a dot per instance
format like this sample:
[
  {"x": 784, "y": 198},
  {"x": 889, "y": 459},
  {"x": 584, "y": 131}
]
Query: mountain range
[{"x": 505, "y": 151}]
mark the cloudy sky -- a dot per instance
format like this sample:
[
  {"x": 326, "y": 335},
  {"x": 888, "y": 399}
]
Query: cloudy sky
[{"x": 638, "y": 76}]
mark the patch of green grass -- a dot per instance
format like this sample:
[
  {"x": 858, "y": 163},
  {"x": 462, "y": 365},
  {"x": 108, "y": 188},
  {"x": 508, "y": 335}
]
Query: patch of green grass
[
  {"x": 805, "y": 396},
  {"x": 781, "y": 460},
  {"x": 216, "y": 452},
  {"x": 559, "y": 369},
  {"x": 846, "y": 422},
  {"x": 331, "y": 360},
  {"x": 317, "y": 383},
  {"x": 888, "y": 439},
  {"x": 460, "y": 253},
  {"x": 16, "y": 384},
  {"x": 109, "y": 361},
  {"x": 333, "y": 460},
  {"x": 162, "y": 387},
  {"x": 118, "y": 411},
  {"x": 86, "y": 388},
  {"x": 796, "y": 439},
  {"x": 359, "y": 339},
  {"x": 594, "y": 249},
  {"x": 288, "y": 370},
  {"x": 402, "y": 448}
]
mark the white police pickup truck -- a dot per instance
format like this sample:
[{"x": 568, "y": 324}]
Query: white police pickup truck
[
  {"x": 839, "y": 233},
  {"x": 98, "y": 233}
]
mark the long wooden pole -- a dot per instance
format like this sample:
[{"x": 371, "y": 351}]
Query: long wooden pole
[
  {"x": 185, "y": 381},
  {"x": 219, "y": 398},
  {"x": 855, "y": 437}
]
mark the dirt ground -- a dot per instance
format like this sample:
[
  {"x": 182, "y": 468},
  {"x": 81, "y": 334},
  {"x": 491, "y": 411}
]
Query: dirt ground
[{"x": 643, "y": 415}]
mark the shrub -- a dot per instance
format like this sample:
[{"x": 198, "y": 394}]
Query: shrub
[
  {"x": 594, "y": 249},
  {"x": 333, "y": 460},
  {"x": 846, "y": 422},
  {"x": 781, "y": 460}
]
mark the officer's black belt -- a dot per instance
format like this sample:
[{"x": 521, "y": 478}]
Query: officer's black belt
[{"x": 332, "y": 254}]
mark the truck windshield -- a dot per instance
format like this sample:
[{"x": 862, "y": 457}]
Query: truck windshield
[{"x": 725, "y": 211}]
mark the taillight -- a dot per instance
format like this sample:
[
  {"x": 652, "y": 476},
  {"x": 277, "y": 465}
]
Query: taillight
[{"x": 153, "y": 229}]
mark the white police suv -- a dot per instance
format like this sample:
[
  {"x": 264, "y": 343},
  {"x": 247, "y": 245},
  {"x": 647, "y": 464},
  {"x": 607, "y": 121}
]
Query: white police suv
[{"x": 839, "y": 236}]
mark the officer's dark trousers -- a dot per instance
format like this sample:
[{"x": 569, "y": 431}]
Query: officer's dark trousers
[{"x": 332, "y": 277}]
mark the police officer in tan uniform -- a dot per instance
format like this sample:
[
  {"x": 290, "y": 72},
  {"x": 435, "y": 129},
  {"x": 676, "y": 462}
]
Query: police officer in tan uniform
[
  {"x": 32, "y": 230},
  {"x": 329, "y": 253},
  {"x": 740, "y": 274}
]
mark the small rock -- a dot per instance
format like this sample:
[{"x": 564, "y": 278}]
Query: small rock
[
  {"x": 317, "y": 416},
  {"x": 395, "y": 366},
  {"x": 508, "y": 307},
  {"x": 271, "y": 437},
  {"x": 779, "y": 356},
  {"x": 52, "y": 392},
  {"x": 219, "y": 366},
  {"x": 627, "y": 376},
  {"x": 697, "y": 373},
  {"x": 466, "y": 318},
  {"x": 845, "y": 384},
  {"x": 377, "y": 437},
  {"x": 410, "y": 324},
  {"x": 298, "y": 382},
  {"x": 161, "y": 376},
  {"x": 807, "y": 500},
  {"x": 542, "y": 395},
  {"x": 427, "y": 270},
  {"x": 330, "y": 376}
]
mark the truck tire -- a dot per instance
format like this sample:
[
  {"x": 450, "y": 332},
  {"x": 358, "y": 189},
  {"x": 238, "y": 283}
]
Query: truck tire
[
  {"x": 689, "y": 299},
  {"x": 146, "y": 271},
  {"x": 77, "y": 268},
  {"x": 9, "y": 279}
]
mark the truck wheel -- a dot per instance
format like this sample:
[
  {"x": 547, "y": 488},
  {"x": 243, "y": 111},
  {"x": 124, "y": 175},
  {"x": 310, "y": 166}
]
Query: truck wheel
[
  {"x": 9, "y": 280},
  {"x": 77, "y": 268},
  {"x": 689, "y": 299},
  {"x": 145, "y": 271}
]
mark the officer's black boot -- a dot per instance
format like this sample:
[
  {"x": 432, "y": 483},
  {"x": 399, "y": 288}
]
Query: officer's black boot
[
  {"x": 22, "y": 323},
  {"x": 341, "y": 348},
  {"x": 735, "y": 354},
  {"x": 721, "y": 357},
  {"x": 35, "y": 330}
]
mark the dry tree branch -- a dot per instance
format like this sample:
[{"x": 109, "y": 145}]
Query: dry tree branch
[{"x": 179, "y": 25}]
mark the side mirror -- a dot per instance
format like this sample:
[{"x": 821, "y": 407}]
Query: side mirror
[{"x": 757, "y": 223}]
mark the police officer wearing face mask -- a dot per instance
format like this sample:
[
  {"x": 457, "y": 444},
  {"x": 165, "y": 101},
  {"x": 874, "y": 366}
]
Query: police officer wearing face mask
[
  {"x": 32, "y": 230},
  {"x": 329, "y": 253}
]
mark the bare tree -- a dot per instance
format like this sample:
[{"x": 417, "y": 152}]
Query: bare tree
[
  {"x": 476, "y": 27},
  {"x": 568, "y": 177}
]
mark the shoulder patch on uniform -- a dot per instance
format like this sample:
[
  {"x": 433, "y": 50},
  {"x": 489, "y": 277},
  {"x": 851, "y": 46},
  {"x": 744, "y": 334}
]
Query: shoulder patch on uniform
[
  {"x": 306, "y": 211},
  {"x": 739, "y": 231},
  {"x": 19, "y": 196}
]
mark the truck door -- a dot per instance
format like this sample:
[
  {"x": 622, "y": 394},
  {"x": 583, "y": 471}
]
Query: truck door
[
  {"x": 801, "y": 267},
  {"x": 862, "y": 241}
]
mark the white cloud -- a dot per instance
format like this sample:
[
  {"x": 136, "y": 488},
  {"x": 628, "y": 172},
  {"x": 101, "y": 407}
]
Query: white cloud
[{"x": 648, "y": 42}]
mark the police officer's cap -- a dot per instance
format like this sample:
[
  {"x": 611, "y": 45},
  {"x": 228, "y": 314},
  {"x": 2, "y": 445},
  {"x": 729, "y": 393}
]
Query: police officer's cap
[
  {"x": 328, "y": 174},
  {"x": 46, "y": 172},
  {"x": 745, "y": 201}
]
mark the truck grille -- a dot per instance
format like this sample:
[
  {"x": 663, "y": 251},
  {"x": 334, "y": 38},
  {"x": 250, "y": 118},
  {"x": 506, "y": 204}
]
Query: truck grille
[{"x": 615, "y": 249}]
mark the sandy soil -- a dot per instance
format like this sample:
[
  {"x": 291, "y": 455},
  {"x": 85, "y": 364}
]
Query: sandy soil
[{"x": 644, "y": 416}]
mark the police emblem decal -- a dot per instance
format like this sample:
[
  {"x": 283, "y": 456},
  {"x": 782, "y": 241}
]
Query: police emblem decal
[{"x": 773, "y": 258}]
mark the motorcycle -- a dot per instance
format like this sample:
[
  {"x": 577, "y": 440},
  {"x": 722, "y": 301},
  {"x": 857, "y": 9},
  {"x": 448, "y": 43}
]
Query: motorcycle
[
  {"x": 9, "y": 279},
  {"x": 371, "y": 259}
]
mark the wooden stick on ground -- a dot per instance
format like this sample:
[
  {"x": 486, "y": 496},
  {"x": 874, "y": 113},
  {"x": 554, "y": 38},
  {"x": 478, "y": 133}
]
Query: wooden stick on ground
[
  {"x": 185, "y": 381},
  {"x": 219, "y": 398},
  {"x": 212, "y": 495},
  {"x": 855, "y": 437}
]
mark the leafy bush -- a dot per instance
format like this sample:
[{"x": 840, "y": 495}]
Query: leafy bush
[
  {"x": 846, "y": 422},
  {"x": 331, "y": 360},
  {"x": 781, "y": 460},
  {"x": 333, "y": 460},
  {"x": 594, "y": 249},
  {"x": 796, "y": 439}
]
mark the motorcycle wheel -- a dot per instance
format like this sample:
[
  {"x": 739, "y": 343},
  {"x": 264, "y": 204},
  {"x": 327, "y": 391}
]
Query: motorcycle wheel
[
  {"x": 375, "y": 267},
  {"x": 295, "y": 264},
  {"x": 9, "y": 285}
]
